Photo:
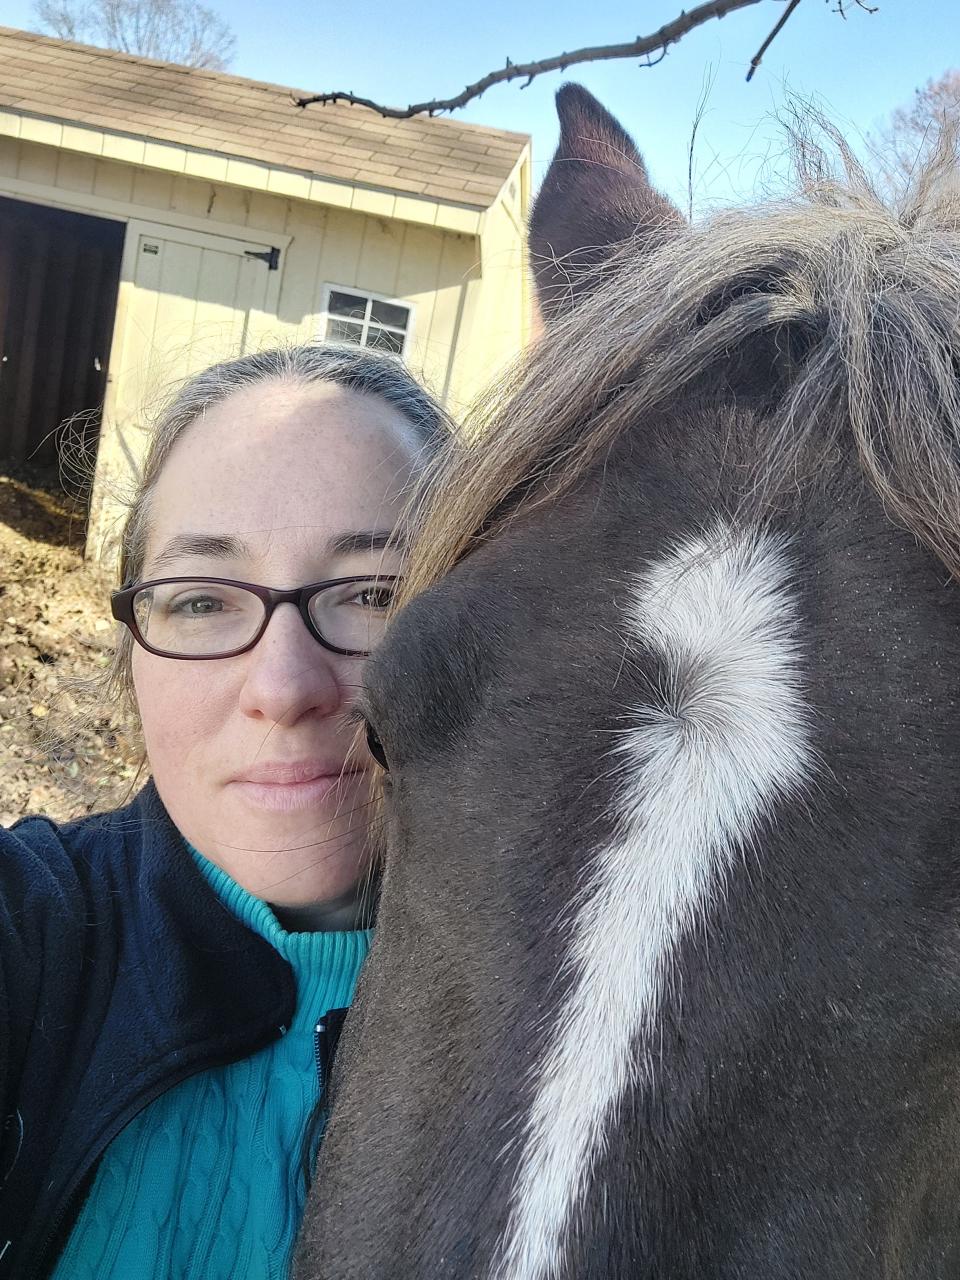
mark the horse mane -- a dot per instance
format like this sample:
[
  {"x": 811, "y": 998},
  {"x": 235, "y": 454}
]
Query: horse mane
[{"x": 855, "y": 297}]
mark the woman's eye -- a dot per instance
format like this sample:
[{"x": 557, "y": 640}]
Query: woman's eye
[
  {"x": 197, "y": 606},
  {"x": 375, "y": 747},
  {"x": 379, "y": 598}
]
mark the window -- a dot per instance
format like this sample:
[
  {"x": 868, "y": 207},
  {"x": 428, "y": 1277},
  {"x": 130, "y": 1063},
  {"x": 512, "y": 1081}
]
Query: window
[{"x": 367, "y": 320}]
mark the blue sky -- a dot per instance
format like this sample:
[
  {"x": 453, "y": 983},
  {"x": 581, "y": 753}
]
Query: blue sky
[{"x": 858, "y": 69}]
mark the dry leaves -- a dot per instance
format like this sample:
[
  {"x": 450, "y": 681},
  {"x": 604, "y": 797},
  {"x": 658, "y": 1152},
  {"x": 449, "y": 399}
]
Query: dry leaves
[{"x": 58, "y": 755}]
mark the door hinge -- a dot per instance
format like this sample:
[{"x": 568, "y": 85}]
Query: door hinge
[{"x": 270, "y": 256}]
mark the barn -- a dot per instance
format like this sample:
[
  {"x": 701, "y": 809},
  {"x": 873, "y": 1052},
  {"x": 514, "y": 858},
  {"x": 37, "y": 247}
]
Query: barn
[{"x": 154, "y": 218}]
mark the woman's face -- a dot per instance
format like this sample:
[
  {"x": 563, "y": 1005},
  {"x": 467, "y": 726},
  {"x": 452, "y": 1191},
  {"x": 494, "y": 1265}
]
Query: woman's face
[{"x": 282, "y": 484}]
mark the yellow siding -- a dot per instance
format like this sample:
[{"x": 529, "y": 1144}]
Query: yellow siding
[
  {"x": 457, "y": 280},
  {"x": 340, "y": 247},
  {"x": 495, "y": 326},
  {"x": 212, "y": 168},
  {"x": 417, "y": 278},
  {"x": 153, "y": 191},
  {"x": 380, "y": 253},
  {"x": 468, "y": 293},
  {"x": 380, "y": 203},
  {"x": 114, "y": 181},
  {"x": 9, "y": 157},
  {"x": 130, "y": 150},
  {"x": 227, "y": 204},
  {"x": 190, "y": 197},
  {"x": 163, "y": 155},
  {"x": 76, "y": 172}
]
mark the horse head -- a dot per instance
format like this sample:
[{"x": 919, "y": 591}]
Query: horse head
[{"x": 666, "y": 984}]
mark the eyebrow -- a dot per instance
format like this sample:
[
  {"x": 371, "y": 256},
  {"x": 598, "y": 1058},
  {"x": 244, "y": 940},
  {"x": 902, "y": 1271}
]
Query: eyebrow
[
  {"x": 208, "y": 545},
  {"x": 365, "y": 540},
  {"x": 217, "y": 547}
]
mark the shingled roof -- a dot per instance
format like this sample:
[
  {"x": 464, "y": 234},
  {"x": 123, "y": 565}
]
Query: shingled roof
[{"x": 209, "y": 111}]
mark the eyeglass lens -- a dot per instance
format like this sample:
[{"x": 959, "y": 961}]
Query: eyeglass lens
[{"x": 199, "y": 618}]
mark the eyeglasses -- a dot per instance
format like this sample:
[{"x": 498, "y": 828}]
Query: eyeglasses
[{"x": 202, "y": 618}]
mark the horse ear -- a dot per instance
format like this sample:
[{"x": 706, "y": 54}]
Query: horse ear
[{"x": 596, "y": 194}]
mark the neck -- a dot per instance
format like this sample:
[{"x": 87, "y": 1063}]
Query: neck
[{"x": 350, "y": 911}]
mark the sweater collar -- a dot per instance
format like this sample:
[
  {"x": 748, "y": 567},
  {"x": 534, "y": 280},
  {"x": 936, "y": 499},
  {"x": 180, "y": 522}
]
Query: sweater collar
[{"x": 325, "y": 963}]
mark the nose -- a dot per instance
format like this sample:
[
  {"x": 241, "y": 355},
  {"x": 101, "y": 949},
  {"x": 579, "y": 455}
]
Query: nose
[{"x": 289, "y": 675}]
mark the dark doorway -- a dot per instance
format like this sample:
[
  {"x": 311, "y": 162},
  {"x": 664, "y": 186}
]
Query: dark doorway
[{"x": 59, "y": 277}]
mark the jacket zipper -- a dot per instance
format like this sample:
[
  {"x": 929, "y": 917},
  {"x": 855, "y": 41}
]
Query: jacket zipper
[
  {"x": 319, "y": 1055},
  {"x": 326, "y": 1038},
  {"x": 40, "y": 1270}
]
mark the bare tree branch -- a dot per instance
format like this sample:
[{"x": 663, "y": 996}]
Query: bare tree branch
[
  {"x": 642, "y": 47},
  {"x": 758, "y": 56},
  {"x": 909, "y": 138}
]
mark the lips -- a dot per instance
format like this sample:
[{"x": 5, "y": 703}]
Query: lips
[
  {"x": 292, "y": 773},
  {"x": 303, "y": 785}
]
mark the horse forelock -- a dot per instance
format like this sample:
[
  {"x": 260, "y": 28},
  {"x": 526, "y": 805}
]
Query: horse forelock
[{"x": 842, "y": 308}]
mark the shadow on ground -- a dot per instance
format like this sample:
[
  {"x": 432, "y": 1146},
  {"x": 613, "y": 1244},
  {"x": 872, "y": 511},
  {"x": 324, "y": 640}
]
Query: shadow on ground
[{"x": 33, "y": 505}]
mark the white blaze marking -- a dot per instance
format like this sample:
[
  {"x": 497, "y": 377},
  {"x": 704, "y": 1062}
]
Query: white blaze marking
[{"x": 728, "y": 737}]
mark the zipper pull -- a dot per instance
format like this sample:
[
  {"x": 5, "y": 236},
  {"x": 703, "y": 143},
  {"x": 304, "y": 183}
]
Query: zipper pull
[
  {"x": 320, "y": 1055},
  {"x": 326, "y": 1037}
]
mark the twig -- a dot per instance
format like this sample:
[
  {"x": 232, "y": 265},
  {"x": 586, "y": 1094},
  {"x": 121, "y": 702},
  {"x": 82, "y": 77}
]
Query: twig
[
  {"x": 643, "y": 46},
  {"x": 861, "y": 4},
  {"x": 757, "y": 57}
]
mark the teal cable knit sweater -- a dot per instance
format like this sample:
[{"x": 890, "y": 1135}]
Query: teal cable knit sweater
[{"x": 205, "y": 1183}]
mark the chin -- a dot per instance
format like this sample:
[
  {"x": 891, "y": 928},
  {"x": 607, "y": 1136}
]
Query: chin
[{"x": 299, "y": 879}]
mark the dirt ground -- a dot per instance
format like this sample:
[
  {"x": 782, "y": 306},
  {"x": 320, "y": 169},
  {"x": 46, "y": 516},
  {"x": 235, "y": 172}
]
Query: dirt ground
[{"x": 58, "y": 754}]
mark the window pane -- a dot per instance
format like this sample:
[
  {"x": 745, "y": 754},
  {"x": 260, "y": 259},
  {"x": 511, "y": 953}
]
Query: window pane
[
  {"x": 343, "y": 331},
  {"x": 384, "y": 339},
  {"x": 387, "y": 313},
  {"x": 347, "y": 304}
]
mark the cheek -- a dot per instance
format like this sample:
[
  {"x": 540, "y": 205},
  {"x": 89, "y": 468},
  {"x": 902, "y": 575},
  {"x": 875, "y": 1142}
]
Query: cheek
[
  {"x": 350, "y": 678},
  {"x": 179, "y": 708}
]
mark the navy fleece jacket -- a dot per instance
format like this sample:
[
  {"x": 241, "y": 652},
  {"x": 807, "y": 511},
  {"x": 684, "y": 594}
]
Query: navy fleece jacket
[{"x": 121, "y": 973}]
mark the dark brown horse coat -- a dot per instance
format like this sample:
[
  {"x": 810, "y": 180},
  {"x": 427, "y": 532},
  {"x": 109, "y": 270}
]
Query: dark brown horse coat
[{"x": 667, "y": 977}]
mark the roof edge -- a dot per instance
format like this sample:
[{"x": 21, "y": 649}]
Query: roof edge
[
  {"x": 247, "y": 81},
  {"x": 215, "y": 166}
]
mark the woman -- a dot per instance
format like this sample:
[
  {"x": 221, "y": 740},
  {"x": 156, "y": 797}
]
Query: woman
[{"x": 166, "y": 970}]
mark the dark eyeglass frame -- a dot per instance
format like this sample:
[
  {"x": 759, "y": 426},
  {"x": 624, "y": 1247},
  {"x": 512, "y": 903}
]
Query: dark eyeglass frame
[{"x": 121, "y": 606}]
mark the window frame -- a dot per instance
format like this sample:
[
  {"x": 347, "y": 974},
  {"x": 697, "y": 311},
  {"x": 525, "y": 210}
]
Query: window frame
[{"x": 371, "y": 297}]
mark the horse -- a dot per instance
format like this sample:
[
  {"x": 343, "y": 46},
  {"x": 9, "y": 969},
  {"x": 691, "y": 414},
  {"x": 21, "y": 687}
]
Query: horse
[{"x": 666, "y": 982}]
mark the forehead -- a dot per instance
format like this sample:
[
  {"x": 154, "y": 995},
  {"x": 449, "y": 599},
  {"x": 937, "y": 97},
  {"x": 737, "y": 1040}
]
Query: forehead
[{"x": 282, "y": 455}]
